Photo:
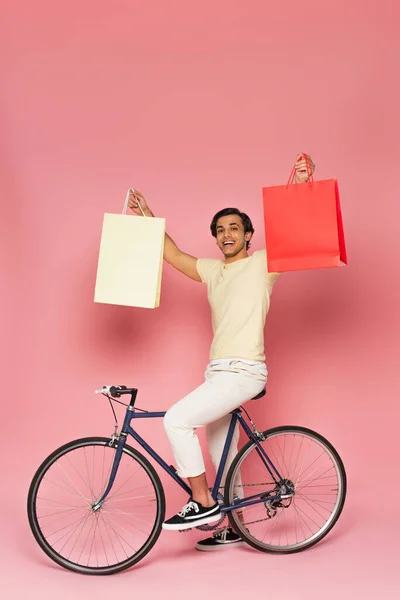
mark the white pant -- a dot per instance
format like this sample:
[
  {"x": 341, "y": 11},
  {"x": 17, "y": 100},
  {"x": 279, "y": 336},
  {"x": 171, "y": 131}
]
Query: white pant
[{"x": 229, "y": 383}]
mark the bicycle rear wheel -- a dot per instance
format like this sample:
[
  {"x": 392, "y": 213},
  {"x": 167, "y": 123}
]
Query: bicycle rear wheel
[
  {"x": 311, "y": 467},
  {"x": 104, "y": 541}
]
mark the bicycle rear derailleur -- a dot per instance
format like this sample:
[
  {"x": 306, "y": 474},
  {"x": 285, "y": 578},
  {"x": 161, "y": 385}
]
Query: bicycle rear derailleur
[{"x": 286, "y": 489}]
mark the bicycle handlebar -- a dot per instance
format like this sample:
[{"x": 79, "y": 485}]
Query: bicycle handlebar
[{"x": 114, "y": 390}]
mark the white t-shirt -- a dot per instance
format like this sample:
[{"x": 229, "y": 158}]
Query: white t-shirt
[{"x": 239, "y": 296}]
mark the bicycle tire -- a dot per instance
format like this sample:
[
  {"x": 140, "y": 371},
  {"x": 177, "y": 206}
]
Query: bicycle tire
[
  {"x": 64, "y": 451},
  {"x": 229, "y": 494}
]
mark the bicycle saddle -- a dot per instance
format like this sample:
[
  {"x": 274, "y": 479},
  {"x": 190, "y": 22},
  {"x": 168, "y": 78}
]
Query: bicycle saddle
[{"x": 260, "y": 395}]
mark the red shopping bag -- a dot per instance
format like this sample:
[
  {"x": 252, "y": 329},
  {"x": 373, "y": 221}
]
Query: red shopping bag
[{"x": 303, "y": 225}]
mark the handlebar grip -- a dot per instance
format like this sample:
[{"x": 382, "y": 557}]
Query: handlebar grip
[
  {"x": 104, "y": 390},
  {"x": 113, "y": 390}
]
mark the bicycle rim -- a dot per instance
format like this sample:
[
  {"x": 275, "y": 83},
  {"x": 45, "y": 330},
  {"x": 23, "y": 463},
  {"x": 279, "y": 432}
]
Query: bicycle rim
[
  {"x": 306, "y": 462},
  {"x": 63, "y": 492}
]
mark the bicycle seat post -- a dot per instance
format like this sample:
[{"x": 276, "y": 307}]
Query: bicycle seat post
[{"x": 133, "y": 398}]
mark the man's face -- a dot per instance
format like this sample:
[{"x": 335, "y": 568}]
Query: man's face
[{"x": 231, "y": 238}]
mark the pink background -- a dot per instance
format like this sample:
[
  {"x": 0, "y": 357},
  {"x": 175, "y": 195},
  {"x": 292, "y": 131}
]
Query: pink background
[{"x": 199, "y": 105}]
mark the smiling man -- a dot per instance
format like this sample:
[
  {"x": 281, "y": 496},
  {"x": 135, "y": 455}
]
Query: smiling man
[{"x": 239, "y": 289}]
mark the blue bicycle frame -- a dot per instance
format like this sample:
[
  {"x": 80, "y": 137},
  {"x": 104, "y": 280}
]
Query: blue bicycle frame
[{"x": 132, "y": 413}]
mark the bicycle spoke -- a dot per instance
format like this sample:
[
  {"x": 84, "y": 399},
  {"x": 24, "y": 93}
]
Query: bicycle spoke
[
  {"x": 93, "y": 471},
  {"x": 123, "y": 483},
  {"x": 67, "y": 490},
  {"x": 113, "y": 495},
  {"x": 299, "y": 518},
  {"x": 102, "y": 542},
  {"x": 132, "y": 498},
  {"x": 72, "y": 483},
  {"x": 66, "y": 527},
  {"x": 119, "y": 536},
  {"x": 315, "y": 478},
  {"x": 275, "y": 523},
  {"x": 282, "y": 454},
  {"x": 288, "y": 524},
  {"x": 63, "y": 505},
  {"x": 319, "y": 494},
  {"x": 87, "y": 470},
  {"x": 302, "y": 464},
  {"x": 285, "y": 525},
  {"x": 314, "y": 461},
  {"x": 291, "y": 453},
  {"x": 306, "y": 500},
  {"x": 94, "y": 533},
  {"x": 76, "y": 471},
  {"x": 109, "y": 470},
  {"x": 298, "y": 454},
  {"x": 83, "y": 521},
  {"x": 134, "y": 516},
  {"x": 87, "y": 537},
  {"x": 63, "y": 512},
  {"x": 308, "y": 516},
  {"x": 109, "y": 537}
]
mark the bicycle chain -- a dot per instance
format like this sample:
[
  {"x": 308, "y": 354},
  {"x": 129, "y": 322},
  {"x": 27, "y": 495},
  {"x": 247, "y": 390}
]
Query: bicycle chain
[
  {"x": 218, "y": 526},
  {"x": 258, "y": 521},
  {"x": 247, "y": 485},
  {"x": 219, "y": 523},
  {"x": 212, "y": 527}
]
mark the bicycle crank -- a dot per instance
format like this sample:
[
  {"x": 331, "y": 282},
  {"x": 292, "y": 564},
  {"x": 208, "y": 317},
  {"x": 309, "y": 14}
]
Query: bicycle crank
[{"x": 212, "y": 526}]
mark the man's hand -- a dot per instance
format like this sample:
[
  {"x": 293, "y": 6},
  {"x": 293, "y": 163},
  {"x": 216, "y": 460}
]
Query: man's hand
[
  {"x": 301, "y": 167},
  {"x": 133, "y": 203}
]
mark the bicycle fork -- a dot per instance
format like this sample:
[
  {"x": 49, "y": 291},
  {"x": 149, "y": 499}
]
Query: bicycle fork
[{"x": 117, "y": 458}]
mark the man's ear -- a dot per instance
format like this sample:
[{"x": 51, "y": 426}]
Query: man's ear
[{"x": 248, "y": 236}]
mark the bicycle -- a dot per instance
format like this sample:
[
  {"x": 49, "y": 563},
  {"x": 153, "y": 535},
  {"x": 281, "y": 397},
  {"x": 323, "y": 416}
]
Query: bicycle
[{"x": 96, "y": 505}]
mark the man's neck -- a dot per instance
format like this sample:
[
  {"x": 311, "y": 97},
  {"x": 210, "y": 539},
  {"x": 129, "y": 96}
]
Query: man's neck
[{"x": 239, "y": 256}]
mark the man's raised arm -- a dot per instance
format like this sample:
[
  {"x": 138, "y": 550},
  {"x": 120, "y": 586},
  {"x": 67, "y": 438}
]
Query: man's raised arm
[{"x": 185, "y": 263}]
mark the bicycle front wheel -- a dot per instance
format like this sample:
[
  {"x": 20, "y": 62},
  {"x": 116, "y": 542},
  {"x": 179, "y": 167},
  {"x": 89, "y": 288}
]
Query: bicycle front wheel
[
  {"x": 64, "y": 491},
  {"x": 310, "y": 467}
]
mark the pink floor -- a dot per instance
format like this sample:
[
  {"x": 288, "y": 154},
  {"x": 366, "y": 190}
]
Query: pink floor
[{"x": 358, "y": 559}]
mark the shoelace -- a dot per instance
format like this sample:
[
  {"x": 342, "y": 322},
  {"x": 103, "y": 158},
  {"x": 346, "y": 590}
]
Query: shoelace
[
  {"x": 188, "y": 507},
  {"x": 222, "y": 534}
]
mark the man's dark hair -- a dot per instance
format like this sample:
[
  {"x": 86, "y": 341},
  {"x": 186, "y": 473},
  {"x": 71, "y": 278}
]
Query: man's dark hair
[{"x": 248, "y": 225}]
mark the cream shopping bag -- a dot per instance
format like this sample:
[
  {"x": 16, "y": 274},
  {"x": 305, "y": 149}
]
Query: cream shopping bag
[{"x": 130, "y": 260}]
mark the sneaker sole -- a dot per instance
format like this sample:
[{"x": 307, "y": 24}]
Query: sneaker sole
[
  {"x": 217, "y": 546},
  {"x": 183, "y": 526}
]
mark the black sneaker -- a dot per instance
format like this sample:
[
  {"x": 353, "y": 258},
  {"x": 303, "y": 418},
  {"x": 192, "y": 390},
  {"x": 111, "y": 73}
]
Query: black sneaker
[
  {"x": 224, "y": 538},
  {"x": 193, "y": 514}
]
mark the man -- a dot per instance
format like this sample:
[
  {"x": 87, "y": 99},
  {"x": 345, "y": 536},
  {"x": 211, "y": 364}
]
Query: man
[{"x": 239, "y": 288}]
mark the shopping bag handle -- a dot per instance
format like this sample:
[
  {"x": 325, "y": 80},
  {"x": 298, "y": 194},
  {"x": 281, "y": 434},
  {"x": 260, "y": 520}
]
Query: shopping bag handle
[
  {"x": 308, "y": 167},
  {"x": 126, "y": 203}
]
